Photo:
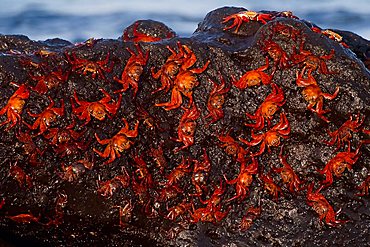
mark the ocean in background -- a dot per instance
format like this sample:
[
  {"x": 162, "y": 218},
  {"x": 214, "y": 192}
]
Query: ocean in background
[{"x": 78, "y": 20}]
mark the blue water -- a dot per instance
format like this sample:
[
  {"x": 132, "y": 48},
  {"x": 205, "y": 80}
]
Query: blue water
[{"x": 77, "y": 20}]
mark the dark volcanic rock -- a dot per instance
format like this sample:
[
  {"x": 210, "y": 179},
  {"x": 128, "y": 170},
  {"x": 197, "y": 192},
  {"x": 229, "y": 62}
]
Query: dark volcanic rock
[{"x": 69, "y": 207}]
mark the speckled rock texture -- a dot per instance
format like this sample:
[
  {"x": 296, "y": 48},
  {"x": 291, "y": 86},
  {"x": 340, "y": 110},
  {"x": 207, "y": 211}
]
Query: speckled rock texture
[{"x": 56, "y": 185}]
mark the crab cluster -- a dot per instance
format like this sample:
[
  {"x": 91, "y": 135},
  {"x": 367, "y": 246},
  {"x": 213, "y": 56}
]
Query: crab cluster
[{"x": 179, "y": 191}]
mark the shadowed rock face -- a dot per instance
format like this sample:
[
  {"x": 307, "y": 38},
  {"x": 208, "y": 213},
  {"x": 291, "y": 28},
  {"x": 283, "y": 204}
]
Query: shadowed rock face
[{"x": 61, "y": 182}]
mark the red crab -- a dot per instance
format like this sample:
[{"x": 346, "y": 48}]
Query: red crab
[
  {"x": 200, "y": 173},
  {"x": 313, "y": 95},
  {"x": 125, "y": 212},
  {"x": 118, "y": 143},
  {"x": 159, "y": 158},
  {"x": 270, "y": 186},
  {"x": 46, "y": 117},
  {"x": 245, "y": 16},
  {"x": 140, "y": 190},
  {"x": 89, "y": 43},
  {"x": 288, "y": 175},
  {"x": 142, "y": 37},
  {"x": 216, "y": 100},
  {"x": 331, "y": 35},
  {"x": 215, "y": 198},
  {"x": 210, "y": 213},
  {"x": 143, "y": 172},
  {"x": 134, "y": 68},
  {"x": 250, "y": 216},
  {"x": 24, "y": 218},
  {"x": 29, "y": 147},
  {"x": 108, "y": 187},
  {"x": 271, "y": 138},
  {"x": 343, "y": 133},
  {"x": 337, "y": 165},
  {"x": 50, "y": 80},
  {"x": 187, "y": 127},
  {"x": 254, "y": 77},
  {"x": 98, "y": 109},
  {"x": 61, "y": 202},
  {"x": 244, "y": 180},
  {"x": 322, "y": 207},
  {"x": 169, "y": 192},
  {"x": 73, "y": 171},
  {"x": 312, "y": 62},
  {"x": 148, "y": 119},
  {"x": 14, "y": 107},
  {"x": 69, "y": 148},
  {"x": 286, "y": 30},
  {"x": 267, "y": 109},
  {"x": 63, "y": 135},
  {"x": 178, "y": 210},
  {"x": 18, "y": 174},
  {"x": 184, "y": 83},
  {"x": 279, "y": 56},
  {"x": 178, "y": 172},
  {"x": 85, "y": 66},
  {"x": 232, "y": 147},
  {"x": 171, "y": 67},
  {"x": 364, "y": 187}
]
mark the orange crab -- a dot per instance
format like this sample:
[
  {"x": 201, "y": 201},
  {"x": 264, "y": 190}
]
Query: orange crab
[
  {"x": 63, "y": 135},
  {"x": 159, "y": 158},
  {"x": 216, "y": 100},
  {"x": 143, "y": 172},
  {"x": 171, "y": 67},
  {"x": 244, "y": 180},
  {"x": 49, "y": 81},
  {"x": 289, "y": 177},
  {"x": 246, "y": 16},
  {"x": 250, "y": 216},
  {"x": 184, "y": 83},
  {"x": 137, "y": 36},
  {"x": 200, "y": 174},
  {"x": 267, "y": 109},
  {"x": 286, "y": 30},
  {"x": 19, "y": 174},
  {"x": 14, "y": 107},
  {"x": 125, "y": 212},
  {"x": 313, "y": 95},
  {"x": 337, "y": 165},
  {"x": 30, "y": 147},
  {"x": 118, "y": 143},
  {"x": 331, "y": 35},
  {"x": 134, "y": 68},
  {"x": 343, "y": 133},
  {"x": 108, "y": 187},
  {"x": 277, "y": 53},
  {"x": 312, "y": 62},
  {"x": 270, "y": 186},
  {"x": 85, "y": 66},
  {"x": 187, "y": 127},
  {"x": 232, "y": 147},
  {"x": 177, "y": 211},
  {"x": 254, "y": 77},
  {"x": 46, "y": 117},
  {"x": 322, "y": 207},
  {"x": 271, "y": 138},
  {"x": 178, "y": 172},
  {"x": 98, "y": 109},
  {"x": 212, "y": 212}
]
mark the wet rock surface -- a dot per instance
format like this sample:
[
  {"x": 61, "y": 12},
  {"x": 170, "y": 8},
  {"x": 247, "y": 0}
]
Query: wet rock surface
[{"x": 75, "y": 188}]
